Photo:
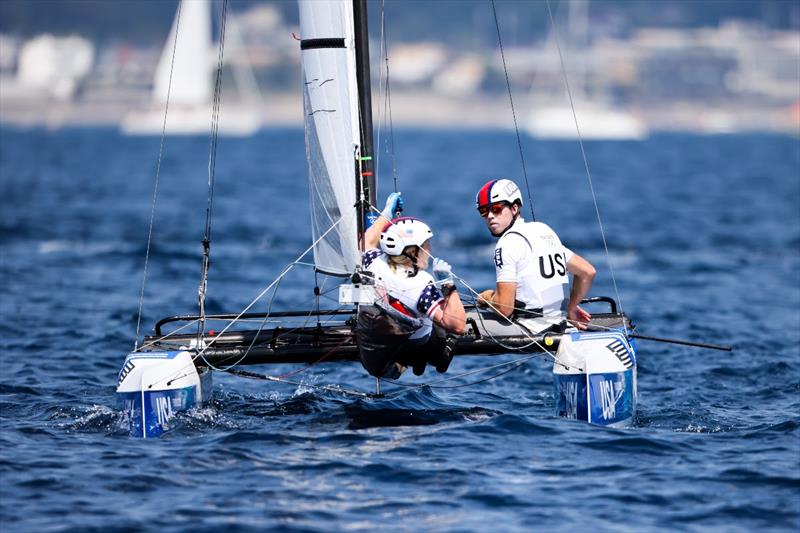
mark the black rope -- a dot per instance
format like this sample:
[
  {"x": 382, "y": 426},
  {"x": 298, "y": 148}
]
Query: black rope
[
  {"x": 388, "y": 97},
  {"x": 513, "y": 113},
  {"x": 212, "y": 161}
]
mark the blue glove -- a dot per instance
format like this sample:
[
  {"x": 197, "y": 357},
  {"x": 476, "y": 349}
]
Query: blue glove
[
  {"x": 394, "y": 204},
  {"x": 442, "y": 273}
]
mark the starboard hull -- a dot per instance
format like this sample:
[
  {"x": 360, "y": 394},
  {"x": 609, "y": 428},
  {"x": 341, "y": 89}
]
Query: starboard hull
[
  {"x": 154, "y": 387},
  {"x": 594, "y": 378}
]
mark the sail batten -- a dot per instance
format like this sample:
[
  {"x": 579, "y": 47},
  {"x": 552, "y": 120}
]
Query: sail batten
[{"x": 330, "y": 103}]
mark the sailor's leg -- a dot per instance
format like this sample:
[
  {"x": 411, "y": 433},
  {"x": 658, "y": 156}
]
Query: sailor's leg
[{"x": 438, "y": 350}]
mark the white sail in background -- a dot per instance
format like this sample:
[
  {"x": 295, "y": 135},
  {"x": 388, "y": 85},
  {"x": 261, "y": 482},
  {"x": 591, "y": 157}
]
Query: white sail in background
[
  {"x": 330, "y": 102},
  {"x": 191, "y": 69},
  {"x": 191, "y": 85}
]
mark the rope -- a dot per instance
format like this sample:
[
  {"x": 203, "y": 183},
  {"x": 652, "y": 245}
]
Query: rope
[
  {"x": 202, "y": 347},
  {"x": 212, "y": 160},
  {"x": 585, "y": 161},
  {"x": 155, "y": 188},
  {"x": 513, "y": 112},
  {"x": 387, "y": 101}
]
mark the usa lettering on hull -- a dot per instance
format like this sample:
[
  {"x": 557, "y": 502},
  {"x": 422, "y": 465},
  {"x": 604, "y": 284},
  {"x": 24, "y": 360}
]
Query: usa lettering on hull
[
  {"x": 164, "y": 411},
  {"x": 612, "y": 397},
  {"x": 610, "y": 394}
]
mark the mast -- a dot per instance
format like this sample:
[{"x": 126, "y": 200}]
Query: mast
[{"x": 365, "y": 169}]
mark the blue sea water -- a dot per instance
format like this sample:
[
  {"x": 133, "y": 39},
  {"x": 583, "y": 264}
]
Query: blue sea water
[{"x": 703, "y": 235}]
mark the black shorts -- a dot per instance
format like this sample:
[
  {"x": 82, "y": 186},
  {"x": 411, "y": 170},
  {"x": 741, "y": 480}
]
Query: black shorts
[{"x": 384, "y": 344}]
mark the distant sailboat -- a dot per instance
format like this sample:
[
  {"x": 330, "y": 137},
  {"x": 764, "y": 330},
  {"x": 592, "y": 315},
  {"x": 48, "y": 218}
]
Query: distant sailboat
[
  {"x": 597, "y": 119},
  {"x": 185, "y": 79}
]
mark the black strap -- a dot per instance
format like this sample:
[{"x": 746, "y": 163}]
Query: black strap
[
  {"x": 520, "y": 311},
  {"x": 331, "y": 42}
]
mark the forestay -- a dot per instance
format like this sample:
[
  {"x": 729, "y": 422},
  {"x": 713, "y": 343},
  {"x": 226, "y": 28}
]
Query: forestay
[{"x": 330, "y": 101}]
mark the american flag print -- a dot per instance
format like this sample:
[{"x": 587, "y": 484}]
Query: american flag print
[
  {"x": 370, "y": 256},
  {"x": 429, "y": 298}
]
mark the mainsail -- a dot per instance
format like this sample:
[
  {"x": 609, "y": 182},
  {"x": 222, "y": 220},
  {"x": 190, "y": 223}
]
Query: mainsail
[{"x": 332, "y": 133}]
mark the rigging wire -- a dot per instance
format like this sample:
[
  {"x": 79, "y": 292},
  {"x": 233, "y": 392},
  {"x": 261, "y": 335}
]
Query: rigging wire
[
  {"x": 202, "y": 346},
  {"x": 158, "y": 174},
  {"x": 585, "y": 160},
  {"x": 212, "y": 160},
  {"x": 387, "y": 100},
  {"x": 513, "y": 112}
]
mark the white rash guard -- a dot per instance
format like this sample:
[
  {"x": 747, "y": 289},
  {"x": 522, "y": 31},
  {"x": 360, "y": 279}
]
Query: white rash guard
[
  {"x": 531, "y": 255},
  {"x": 399, "y": 293}
]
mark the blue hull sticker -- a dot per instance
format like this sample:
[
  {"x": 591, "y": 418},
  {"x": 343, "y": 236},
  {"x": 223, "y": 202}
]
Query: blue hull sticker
[
  {"x": 152, "y": 418},
  {"x": 611, "y": 400},
  {"x": 570, "y": 393}
]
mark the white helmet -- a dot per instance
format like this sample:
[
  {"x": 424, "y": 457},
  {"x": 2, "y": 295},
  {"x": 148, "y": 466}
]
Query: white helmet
[
  {"x": 404, "y": 231},
  {"x": 493, "y": 191}
]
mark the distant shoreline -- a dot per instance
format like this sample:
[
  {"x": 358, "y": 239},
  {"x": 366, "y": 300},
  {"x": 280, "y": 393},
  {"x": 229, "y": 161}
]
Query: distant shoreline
[{"x": 420, "y": 109}]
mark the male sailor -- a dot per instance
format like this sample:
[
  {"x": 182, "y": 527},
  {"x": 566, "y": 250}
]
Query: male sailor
[
  {"x": 532, "y": 265},
  {"x": 416, "y": 316}
]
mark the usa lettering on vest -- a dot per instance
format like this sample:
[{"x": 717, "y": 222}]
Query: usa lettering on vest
[
  {"x": 542, "y": 276},
  {"x": 550, "y": 271}
]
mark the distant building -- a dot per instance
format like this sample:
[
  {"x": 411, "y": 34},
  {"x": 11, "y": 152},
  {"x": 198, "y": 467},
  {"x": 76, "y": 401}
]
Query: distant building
[{"x": 54, "y": 65}]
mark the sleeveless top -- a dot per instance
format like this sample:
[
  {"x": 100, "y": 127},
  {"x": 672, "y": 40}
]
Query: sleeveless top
[
  {"x": 411, "y": 298},
  {"x": 531, "y": 255}
]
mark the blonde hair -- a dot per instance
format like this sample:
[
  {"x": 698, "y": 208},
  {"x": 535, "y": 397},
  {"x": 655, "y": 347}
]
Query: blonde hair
[{"x": 402, "y": 261}]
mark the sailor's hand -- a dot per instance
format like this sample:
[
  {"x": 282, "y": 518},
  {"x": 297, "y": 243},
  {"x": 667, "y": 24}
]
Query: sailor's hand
[
  {"x": 485, "y": 297},
  {"x": 442, "y": 273},
  {"x": 394, "y": 204},
  {"x": 578, "y": 317}
]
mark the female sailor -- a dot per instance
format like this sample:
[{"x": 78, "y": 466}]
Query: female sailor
[{"x": 415, "y": 318}]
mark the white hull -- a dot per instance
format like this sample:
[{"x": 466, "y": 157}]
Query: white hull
[
  {"x": 154, "y": 386},
  {"x": 192, "y": 120},
  {"x": 596, "y": 123}
]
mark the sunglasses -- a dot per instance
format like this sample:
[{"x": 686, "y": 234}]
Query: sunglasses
[{"x": 496, "y": 208}]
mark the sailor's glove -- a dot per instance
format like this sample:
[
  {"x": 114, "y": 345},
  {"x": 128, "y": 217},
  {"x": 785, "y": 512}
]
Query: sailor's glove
[
  {"x": 442, "y": 273},
  {"x": 394, "y": 204}
]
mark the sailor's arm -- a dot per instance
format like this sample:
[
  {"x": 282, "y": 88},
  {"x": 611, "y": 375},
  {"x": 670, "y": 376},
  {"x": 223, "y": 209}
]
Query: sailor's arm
[
  {"x": 451, "y": 314},
  {"x": 583, "y": 274},
  {"x": 501, "y": 299},
  {"x": 372, "y": 237}
]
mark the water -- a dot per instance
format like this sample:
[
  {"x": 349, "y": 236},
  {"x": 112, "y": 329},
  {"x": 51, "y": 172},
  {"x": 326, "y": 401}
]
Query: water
[{"x": 704, "y": 237}]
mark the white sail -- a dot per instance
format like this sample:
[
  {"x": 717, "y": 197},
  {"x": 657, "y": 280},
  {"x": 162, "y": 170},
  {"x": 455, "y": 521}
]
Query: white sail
[
  {"x": 330, "y": 103},
  {"x": 191, "y": 69},
  {"x": 191, "y": 89}
]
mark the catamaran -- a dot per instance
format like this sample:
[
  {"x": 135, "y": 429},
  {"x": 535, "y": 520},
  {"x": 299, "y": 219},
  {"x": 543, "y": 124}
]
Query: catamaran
[{"x": 594, "y": 371}]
